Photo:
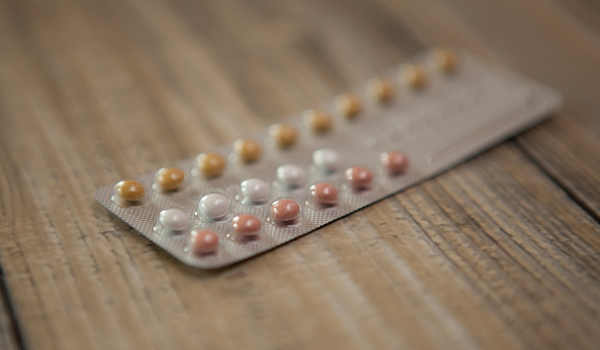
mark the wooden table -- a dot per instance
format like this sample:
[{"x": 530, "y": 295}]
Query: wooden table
[{"x": 501, "y": 252}]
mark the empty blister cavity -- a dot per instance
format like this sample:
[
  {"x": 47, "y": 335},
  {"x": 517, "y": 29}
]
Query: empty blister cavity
[
  {"x": 214, "y": 207},
  {"x": 172, "y": 221}
]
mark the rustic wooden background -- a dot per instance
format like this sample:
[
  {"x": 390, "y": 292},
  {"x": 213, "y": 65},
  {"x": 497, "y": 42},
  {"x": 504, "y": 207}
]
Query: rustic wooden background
[{"x": 500, "y": 253}]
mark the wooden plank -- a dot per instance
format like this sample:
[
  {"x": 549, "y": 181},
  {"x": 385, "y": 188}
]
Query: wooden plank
[
  {"x": 490, "y": 255},
  {"x": 541, "y": 40},
  {"x": 585, "y": 12},
  {"x": 10, "y": 337}
]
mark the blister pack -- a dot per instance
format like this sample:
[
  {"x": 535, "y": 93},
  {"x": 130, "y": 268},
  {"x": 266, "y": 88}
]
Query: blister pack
[{"x": 401, "y": 128}]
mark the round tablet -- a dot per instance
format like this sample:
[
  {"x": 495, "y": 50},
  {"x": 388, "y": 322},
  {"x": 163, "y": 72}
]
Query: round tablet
[
  {"x": 210, "y": 164},
  {"x": 359, "y": 177},
  {"x": 444, "y": 60},
  {"x": 130, "y": 190},
  {"x": 348, "y": 105},
  {"x": 214, "y": 206},
  {"x": 394, "y": 161},
  {"x": 284, "y": 135},
  {"x": 324, "y": 193},
  {"x": 246, "y": 224},
  {"x": 380, "y": 89},
  {"x": 174, "y": 219},
  {"x": 247, "y": 150},
  {"x": 317, "y": 121},
  {"x": 413, "y": 75},
  {"x": 285, "y": 210},
  {"x": 255, "y": 190},
  {"x": 327, "y": 159},
  {"x": 204, "y": 241},
  {"x": 291, "y": 175},
  {"x": 169, "y": 178}
]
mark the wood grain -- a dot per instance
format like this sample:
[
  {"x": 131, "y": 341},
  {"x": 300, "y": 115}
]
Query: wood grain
[
  {"x": 10, "y": 336},
  {"x": 543, "y": 40},
  {"x": 501, "y": 252}
]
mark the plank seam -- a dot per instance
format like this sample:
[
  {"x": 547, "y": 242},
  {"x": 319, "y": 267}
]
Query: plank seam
[
  {"x": 7, "y": 301},
  {"x": 537, "y": 161}
]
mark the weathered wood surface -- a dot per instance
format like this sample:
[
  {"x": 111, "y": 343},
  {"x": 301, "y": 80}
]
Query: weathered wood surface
[{"x": 501, "y": 252}]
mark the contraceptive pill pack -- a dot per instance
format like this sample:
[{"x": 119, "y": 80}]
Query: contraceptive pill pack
[{"x": 401, "y": 128}]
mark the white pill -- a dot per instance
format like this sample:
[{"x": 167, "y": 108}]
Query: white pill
[
  {"x": 174, "y": 219},
  {"x": 328, "y": 160},
  {"x": 255, "y": 190},
  {"x": 291, "y": 175},
  {"x": 214, "y": 206}
]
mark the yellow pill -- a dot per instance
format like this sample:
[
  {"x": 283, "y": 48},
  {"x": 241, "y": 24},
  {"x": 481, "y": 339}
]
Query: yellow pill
[
  {"x": 413, "y": 75},
  {"x": 169, "y": 178},
  {"x": 210, "y": 164},
  {"x": 348, "y": 105},
  {"x": 130, "y": 190},
  {"x": 317, "y": 121},
  {"x": 444, "y": 60},
  {"x": 284, "y": 135},
  {"x": 247, "y": 150},
  {"x": 380, "y": 89}
]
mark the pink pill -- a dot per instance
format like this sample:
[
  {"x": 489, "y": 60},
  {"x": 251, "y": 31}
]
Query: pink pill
[
  {"x": 324, "y": 193},
  {"x": 204, "y": 241},
  {"x": 285, "y": 210},
  {"x": 395, "y": 162},
  {"x": 359, "y": 177},
  {"x": 246, "y": 224}
]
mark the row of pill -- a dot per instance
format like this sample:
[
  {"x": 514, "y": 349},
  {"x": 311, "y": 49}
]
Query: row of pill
[
  {"x": 244, "y": 227},
  {"x": 349, "y": 105},
  {"x": 319, "y": 121},
  {"x": 203, "y": 241},
  {"x": 414, "y": 76},
  {"x": 132, "y": 192},
  {"x": 215, "y": 207}
]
